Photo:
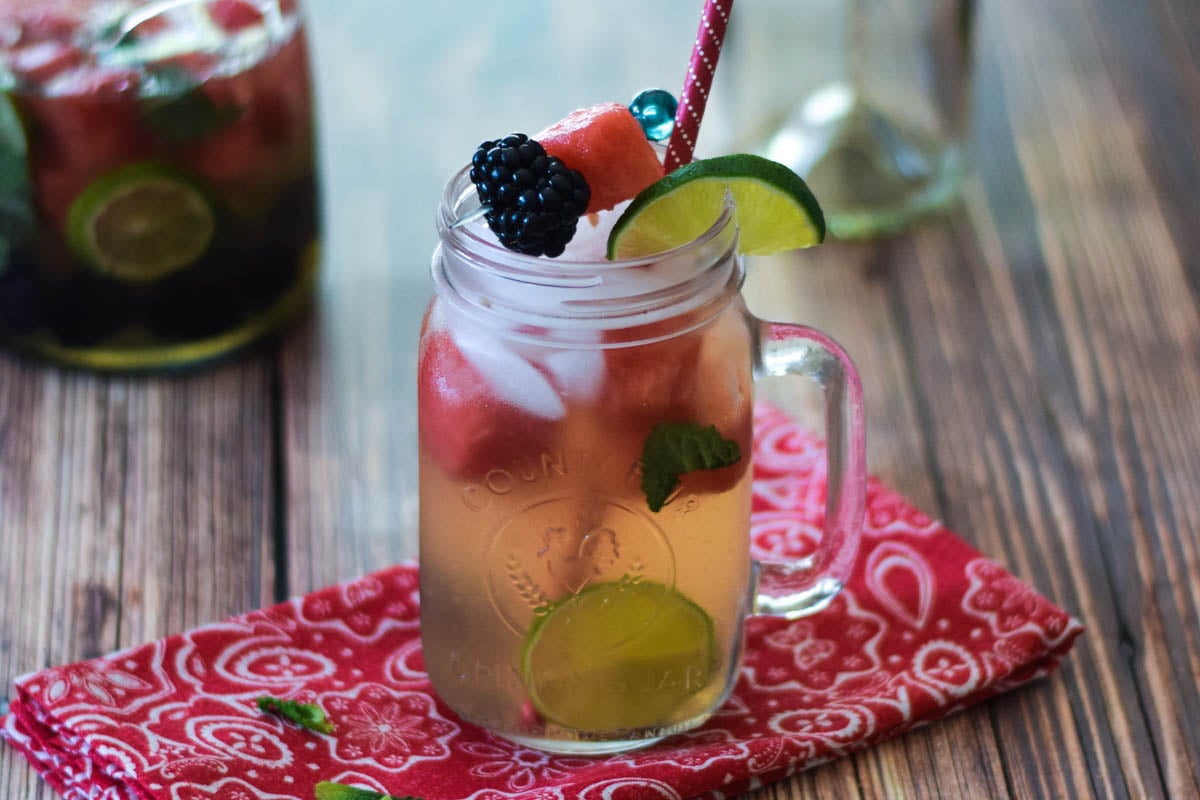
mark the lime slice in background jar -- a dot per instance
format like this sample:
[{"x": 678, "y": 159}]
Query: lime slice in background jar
[{"x": 141, "y": 222}]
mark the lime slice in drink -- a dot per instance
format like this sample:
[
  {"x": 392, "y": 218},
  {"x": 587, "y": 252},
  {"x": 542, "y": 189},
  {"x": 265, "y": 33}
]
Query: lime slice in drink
[
  {"x": 774, "y": 208},
  {"x": 140, "y": 222},
  {"x": 618, "y": 656}
]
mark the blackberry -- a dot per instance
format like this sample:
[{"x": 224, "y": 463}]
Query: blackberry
[{"x": 534, "y": 200}]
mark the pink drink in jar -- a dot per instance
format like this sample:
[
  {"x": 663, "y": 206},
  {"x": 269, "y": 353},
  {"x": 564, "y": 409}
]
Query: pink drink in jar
[
  {"x": 586, "y": 443},
  {"x": 531, "y": 497}
]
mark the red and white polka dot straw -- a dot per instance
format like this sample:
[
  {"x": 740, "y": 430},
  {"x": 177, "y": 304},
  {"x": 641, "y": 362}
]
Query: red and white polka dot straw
[{"x": 698, "y": 82}]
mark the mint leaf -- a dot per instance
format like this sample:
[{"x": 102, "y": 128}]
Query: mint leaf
[
  {"x": 674, "y": 448},
  {"x": 175, "y": 108},
  {"x": 328, "y": 790},
  {"x": 16, "y": 187},
  {"x": 306, "y": 715}
]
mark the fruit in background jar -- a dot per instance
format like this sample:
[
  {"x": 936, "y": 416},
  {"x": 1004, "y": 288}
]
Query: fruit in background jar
[
  {"x": 234, "y": 15},
  {"x": 42, "y": 61},
  {"x": 229, "y": 155},
  {"x": 607, "y": 145},
  {"x": 77, "y": 139},
  {"x": 270, "y": 140},
  {"x": 481, "y": 407},
  {"x": 96, "y": 130},
  {"x": 54, "y": 20},
  {"x": 141, "y": 222},
  {"x": 176, "y": 108}
]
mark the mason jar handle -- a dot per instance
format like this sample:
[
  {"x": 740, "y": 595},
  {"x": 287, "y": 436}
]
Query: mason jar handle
[{"x": 795, "y": 588}]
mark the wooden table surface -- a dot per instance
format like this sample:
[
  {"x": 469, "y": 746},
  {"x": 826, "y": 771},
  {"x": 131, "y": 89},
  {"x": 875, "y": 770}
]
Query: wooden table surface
[{"x": 1032, "y": 364}]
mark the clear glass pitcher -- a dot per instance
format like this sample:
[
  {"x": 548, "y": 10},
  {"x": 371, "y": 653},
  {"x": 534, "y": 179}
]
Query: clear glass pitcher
[
  {"x": 158, "y": 203},
  {"x": 568, "y": 602}
]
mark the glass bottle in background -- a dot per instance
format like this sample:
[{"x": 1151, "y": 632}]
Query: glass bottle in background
[
  {"x": 879, "y": 103},
  {"x": 158, "y": 203}
]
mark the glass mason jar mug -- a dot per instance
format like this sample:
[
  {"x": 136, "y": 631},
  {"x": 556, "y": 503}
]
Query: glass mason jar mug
[
  {"x": 565, "y": 603},
  {"x": 157, "y": 191}
]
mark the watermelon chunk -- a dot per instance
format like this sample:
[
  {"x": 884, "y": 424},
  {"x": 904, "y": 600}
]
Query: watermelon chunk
[
  {"x": 650, "y": 383},
  {"x": 235, "y": 15},
  {"x": 81, "y": 137},
  {"x": 469, "y": 420},
  {"x": 701, "y": 377},
  {"x": 41, "y": 62},
  {"x": 607, "y": 145}
]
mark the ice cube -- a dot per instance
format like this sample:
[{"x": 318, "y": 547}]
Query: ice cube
[
  {"x": 578, "y": 373},
  {"x": 42, "y": 61},
  {"x": 590, "y": 242},
  {"x": 463, "y": 425},
  {"x": 513, "y": 378}
]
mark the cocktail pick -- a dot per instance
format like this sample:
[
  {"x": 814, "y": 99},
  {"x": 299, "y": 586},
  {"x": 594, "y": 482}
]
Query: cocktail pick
[
  {"x": 655, "y": 109},
  {"x": 472, "y": 215}
]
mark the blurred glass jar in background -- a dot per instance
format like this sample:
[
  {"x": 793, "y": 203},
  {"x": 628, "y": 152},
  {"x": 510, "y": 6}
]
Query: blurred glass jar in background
[
  {"x": 158, "y": 203},
  {"x": 872, "y": 101}
]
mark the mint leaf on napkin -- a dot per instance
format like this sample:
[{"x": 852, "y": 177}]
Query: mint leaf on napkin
[
  {"x": 306, "y": 715},
  {"x": 674, "y": 448},
  {"x": 328, "y": 790}
]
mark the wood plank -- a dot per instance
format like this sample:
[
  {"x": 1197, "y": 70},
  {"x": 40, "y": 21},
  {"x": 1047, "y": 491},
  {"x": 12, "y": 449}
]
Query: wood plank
[
  {"x": 1152, "y": 51},
  {"x": 999, "y": 455},
  {"x": 130, "y": 508},
  {"x": 348, "y": 404},
  {"x": 1126, "y": 326}
]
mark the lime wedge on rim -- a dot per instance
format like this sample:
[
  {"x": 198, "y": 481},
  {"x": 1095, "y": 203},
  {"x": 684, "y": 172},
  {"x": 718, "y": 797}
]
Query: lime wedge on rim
[
  {"x": 141, "y": 222},
  {"x": 773, "y": 207},
  {"x": 618, "y": 656}
]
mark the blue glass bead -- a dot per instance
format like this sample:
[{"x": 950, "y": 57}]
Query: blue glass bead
[{"x": 654, "y": 109}]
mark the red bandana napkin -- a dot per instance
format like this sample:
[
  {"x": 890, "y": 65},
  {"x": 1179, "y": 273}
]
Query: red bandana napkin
[{"x": 926, "y": 627}]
